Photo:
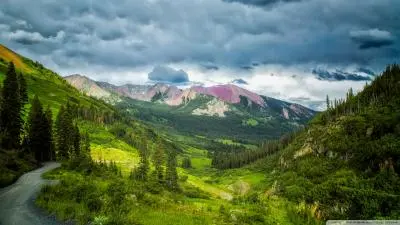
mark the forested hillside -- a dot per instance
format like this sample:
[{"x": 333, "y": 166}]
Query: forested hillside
[
  {"x": 346, "y": 164},
  {"x": 44, "y": 118}
]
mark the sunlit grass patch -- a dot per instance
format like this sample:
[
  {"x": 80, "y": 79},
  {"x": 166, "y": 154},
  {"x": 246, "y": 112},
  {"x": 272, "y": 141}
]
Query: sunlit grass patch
[
  {"x": 11, "y": 56},
  {"x": 126, "y": 160}
]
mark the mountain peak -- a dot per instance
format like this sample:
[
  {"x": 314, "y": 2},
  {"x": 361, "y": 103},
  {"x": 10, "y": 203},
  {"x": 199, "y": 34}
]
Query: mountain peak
[
  {"x": 230, "y": 93},
  {"x": 87, "y": 85}
]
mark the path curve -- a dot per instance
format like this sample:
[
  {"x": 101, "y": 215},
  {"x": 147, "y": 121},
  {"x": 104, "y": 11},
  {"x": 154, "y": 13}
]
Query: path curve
[{"x": 17, "y": 201}]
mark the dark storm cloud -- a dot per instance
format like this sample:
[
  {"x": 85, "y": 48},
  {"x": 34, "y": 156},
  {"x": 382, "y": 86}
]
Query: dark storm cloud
[
  {"x": 210, "y": 67},
  {"x": 239, "y": 81},
  {"x": 366, "y": 71},
  {"x": 261, "y": 2},
  {"x": 373, "y": 38},
  {"x": 226, "y": 33},
  {"x": 167, "y": 74},
  {"x": 339, "y": 75},
  {"x": 246, "y": 67}
]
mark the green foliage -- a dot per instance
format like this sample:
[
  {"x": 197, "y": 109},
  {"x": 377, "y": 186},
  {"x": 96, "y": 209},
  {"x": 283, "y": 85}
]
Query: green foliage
[
  {"x": 11, "y": 122},
  {"x": 23, "y": 92},
  {"x": 90, "y": 193},
  {"x": 158, "y": 160},
  {"x": 68, "y": 137},
  {"x": 186, "y": 163},
  {"x": 237, "y": 159},
  {"x": 250, "y": 122},
  {"x": 39, "y": 139},
  {"x": 171, "y": 175},
  {"x": 13, "y": 164},
  {"x": 346, "y": 164},
  {"x": 141, "y": 172}
]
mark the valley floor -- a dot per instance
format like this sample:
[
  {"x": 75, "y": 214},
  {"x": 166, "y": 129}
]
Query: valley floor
[{"x": 209, "y": 196}]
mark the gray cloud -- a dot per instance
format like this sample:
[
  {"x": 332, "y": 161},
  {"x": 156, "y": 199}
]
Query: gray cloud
[
  {"x": 339, "y": 75},
  {"x": 225, "y": 33},
  {"x": 246, "y": 67},
  {"x": 168, "y": 74},
  {"x": 261, "y": 2},
  {"x": 231, "y": 37},
  {"x": 239, "y": 81},
  {"x": 373, "y": 38},
  {"x": 210, "y": 67}
]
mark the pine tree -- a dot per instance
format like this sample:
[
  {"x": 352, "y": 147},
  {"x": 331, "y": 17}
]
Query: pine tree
[
  {"x": 171, "y": 175},
  {"x": 39, "y": 136},
  {"x": 47, "y": 137},
  {"x": 68, "y": 138},
  {"x": 64, "y": 133},
  {"x": 23, "y": 93},
  {"x": 11, "y": 122},
  {"x": 49, "y": 117},
  {"x": 158, "y": 160},
  {"x": 85, "y": 145},
  {"x": 61, "y": 138},
  {"x": 76, "y": 141},
  {"x": 327, "y": 102},
  {"x": 187, "y": 163},
  {"x": 143, "y": 168}
]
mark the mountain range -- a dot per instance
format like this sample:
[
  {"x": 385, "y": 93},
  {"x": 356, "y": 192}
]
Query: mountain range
[
  {"x": 221, "y": 96},
  {"x": 236, "y": 111}
]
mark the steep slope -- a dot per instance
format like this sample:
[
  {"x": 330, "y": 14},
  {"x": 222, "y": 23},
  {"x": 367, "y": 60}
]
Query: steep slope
[
  {"x": 346, "y": 165},
  {"x": 53, "y": 91},
  {"x": 51, "y": 88}
]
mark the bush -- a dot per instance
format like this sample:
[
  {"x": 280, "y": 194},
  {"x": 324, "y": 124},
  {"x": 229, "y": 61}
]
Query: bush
[{"x": 195, "y": 192}]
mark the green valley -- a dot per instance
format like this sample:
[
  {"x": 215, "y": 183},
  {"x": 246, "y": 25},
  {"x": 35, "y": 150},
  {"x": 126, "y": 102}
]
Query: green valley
[{"x": 139, "y": 163}]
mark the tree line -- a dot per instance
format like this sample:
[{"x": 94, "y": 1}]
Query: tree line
[
  {"x": 384, "y": 89},
  {"x": 164, "y": 161},
  {"x": 237, "y": 159},
  {"x": 35, "y": 135}
]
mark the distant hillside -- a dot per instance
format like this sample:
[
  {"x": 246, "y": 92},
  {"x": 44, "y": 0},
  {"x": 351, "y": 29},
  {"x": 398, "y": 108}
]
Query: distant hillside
[{"x": 216, "y": 111}]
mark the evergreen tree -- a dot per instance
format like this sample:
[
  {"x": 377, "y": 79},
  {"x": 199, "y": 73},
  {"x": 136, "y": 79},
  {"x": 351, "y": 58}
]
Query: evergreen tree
[
  {"x": 158, "y": 160},
  {"x": 65, "y": 133},
  {"x": 85, "y": 145},
  {"x": 11, "y": 122},
  {"x": 47, "y": 137},
  {"x": 171, "y": 175},
  {"x": 61, "y": 139},
  {"x": 49, "y": 117},
  {"x": 143, "y": 168},
  {"x": 76, "y": 141},
  {"x": 327, "y": 102},
  {"x": 68, "y": 137},
  {"x": 38, "y": 129},
  {"x": 23, "y": 93},
  {"x": 186, "y": 163}
]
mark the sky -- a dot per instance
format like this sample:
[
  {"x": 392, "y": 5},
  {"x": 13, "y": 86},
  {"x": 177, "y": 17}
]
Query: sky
[{"x": 295, "y": 50}]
